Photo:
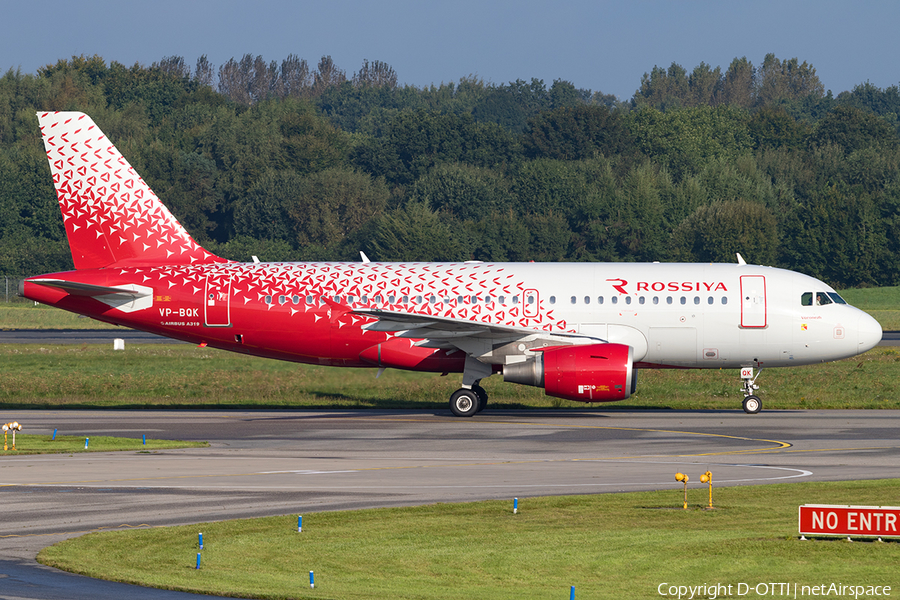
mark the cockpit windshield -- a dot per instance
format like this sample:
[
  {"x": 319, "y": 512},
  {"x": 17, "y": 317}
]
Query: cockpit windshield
[{"x": 820, "y": 298}]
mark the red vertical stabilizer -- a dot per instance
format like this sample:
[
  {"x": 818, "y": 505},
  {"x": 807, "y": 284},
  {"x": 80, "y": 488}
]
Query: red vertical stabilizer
[{"x": 111, "y": 216}]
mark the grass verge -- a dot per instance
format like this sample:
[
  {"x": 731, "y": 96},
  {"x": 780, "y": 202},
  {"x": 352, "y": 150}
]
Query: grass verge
[
  {"x": 183, "y": 376},
  {"x": 607, "y": 546},
  {"x": 70, "y": 444},
  {"x": 31, "y": 316}
]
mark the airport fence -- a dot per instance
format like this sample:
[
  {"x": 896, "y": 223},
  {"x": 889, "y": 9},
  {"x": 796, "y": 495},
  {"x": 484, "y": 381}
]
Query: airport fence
[{"x": 10, "y": 290}]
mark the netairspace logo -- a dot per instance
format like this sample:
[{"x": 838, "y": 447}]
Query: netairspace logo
[{"x": 771, "y": 590}]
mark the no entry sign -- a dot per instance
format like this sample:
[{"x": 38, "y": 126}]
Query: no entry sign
[{"x": 851, "y": 521}]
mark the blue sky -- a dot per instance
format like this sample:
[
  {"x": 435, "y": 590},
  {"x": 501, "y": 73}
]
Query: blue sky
[{"x": 598, "y": 45}]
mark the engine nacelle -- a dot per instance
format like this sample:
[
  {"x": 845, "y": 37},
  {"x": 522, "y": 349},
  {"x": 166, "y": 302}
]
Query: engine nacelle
[{"x": 594, "y": 373}]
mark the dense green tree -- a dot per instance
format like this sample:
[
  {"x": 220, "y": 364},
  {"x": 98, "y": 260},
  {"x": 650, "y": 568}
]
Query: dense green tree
[
  {"x": 415, "y": 141},
  {"x": 786, "y": 80},
  {"x": 837, "y": 236},
  {"x": 329, "y": 206},
  {"x": 466, "y": 192},
  {"x": 685, "y": 139},
  {"x": 663, "y": 88},
  {"x": 716, "y": 232},
  {"x": 854, "y": 129},
  {"x": 773, "y": 127},
  {"x": 884, "y": 103},
  {"x": 738, "y": 83},
  {"x": 577, "y": 133},
  {"x": 417, "y": 233}
]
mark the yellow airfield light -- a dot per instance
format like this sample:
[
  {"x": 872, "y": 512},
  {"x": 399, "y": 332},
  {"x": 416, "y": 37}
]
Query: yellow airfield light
[
  {"x": 707, "y": 478},
  {"x": 683, "y": 479},
  {"x": 7, "y": 427}
]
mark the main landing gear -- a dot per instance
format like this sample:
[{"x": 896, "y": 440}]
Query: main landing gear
[
  {"x": 471, "y": 397},
  {"x": 466, "y": 402},
  {"x": 752, "y": 404}
]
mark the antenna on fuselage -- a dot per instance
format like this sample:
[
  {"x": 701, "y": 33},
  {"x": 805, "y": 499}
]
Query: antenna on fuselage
[
  {"x": 741, "y": 260},
  {"x": 364, "y": 258}
]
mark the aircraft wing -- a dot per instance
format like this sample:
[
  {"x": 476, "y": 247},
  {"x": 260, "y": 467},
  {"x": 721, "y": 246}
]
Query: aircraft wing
[{"x": 471, "y": 337}]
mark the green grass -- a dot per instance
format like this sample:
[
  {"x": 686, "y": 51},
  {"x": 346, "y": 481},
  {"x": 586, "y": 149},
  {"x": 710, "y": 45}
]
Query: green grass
[
  {"x": 184, "y": 376},
  {"x": 30, "y": 316},
  {"x": 882, "y": 303},
  {"x": 69, "y": 444},
  {"x": 607, "y": 546}
]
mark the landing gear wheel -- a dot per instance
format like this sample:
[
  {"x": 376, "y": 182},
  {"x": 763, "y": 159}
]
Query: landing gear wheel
[
  {"x": 464, "y": 403},
  {"x": 482, "y": 396},
  {"x": 752, "y": 404}
]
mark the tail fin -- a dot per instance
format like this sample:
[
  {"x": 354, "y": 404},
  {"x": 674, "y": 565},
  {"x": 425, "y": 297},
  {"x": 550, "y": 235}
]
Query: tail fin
[{"x": 111, "y": 216}]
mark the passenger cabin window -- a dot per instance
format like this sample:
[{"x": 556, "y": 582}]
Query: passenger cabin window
[{"x": 552, "y": 299}]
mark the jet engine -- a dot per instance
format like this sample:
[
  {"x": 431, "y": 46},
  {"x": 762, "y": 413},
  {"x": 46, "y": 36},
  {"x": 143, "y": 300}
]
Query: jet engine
[{"x": 592, "y": 373}]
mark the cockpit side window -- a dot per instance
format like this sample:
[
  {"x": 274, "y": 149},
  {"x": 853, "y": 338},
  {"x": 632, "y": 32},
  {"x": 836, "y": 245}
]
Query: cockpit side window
[
  {"x": 806, "y": 299},
  {"x": 822, "y": 299}
]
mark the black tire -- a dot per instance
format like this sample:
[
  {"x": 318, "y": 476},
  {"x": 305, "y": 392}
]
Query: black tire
[
  {"x": 482, "y": 396},
  {"x": 752, "y": 405},
  {"x": 464, "y": 403}
]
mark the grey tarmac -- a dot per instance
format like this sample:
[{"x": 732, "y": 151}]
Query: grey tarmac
[{"x": 301, "y": 462}]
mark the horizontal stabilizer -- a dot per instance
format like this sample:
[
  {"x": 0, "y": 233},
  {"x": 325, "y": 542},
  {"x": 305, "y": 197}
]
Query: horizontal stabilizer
[
  {"x": 75, "y": 288},
  {"x": 126, "y": 298}
]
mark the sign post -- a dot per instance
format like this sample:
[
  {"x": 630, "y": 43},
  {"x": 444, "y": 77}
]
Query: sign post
[{"x": 849, "y": 521}]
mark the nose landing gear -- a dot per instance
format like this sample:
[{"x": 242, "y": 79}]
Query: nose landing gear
[{"x": 752, "y": 404}]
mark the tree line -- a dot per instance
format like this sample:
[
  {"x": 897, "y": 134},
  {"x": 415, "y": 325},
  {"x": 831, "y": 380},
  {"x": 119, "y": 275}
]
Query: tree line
[{"x": 287, "y": 162}]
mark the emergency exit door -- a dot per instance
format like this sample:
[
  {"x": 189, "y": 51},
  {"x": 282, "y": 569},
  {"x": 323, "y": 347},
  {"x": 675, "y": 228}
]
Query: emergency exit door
[
  {"x": 753, "y": 301},
  {"x": 217, "y": 301}
]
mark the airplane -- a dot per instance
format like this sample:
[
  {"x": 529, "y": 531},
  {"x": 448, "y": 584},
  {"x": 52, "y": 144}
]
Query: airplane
[{"x": 580, "y": 331}]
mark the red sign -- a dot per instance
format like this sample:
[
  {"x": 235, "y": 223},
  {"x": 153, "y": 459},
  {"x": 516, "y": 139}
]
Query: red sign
[{"x": 851, "y": 521}]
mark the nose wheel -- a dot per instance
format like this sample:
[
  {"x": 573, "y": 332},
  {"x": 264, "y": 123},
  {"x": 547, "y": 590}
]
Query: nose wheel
[{"x": 752, "y": 404}]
